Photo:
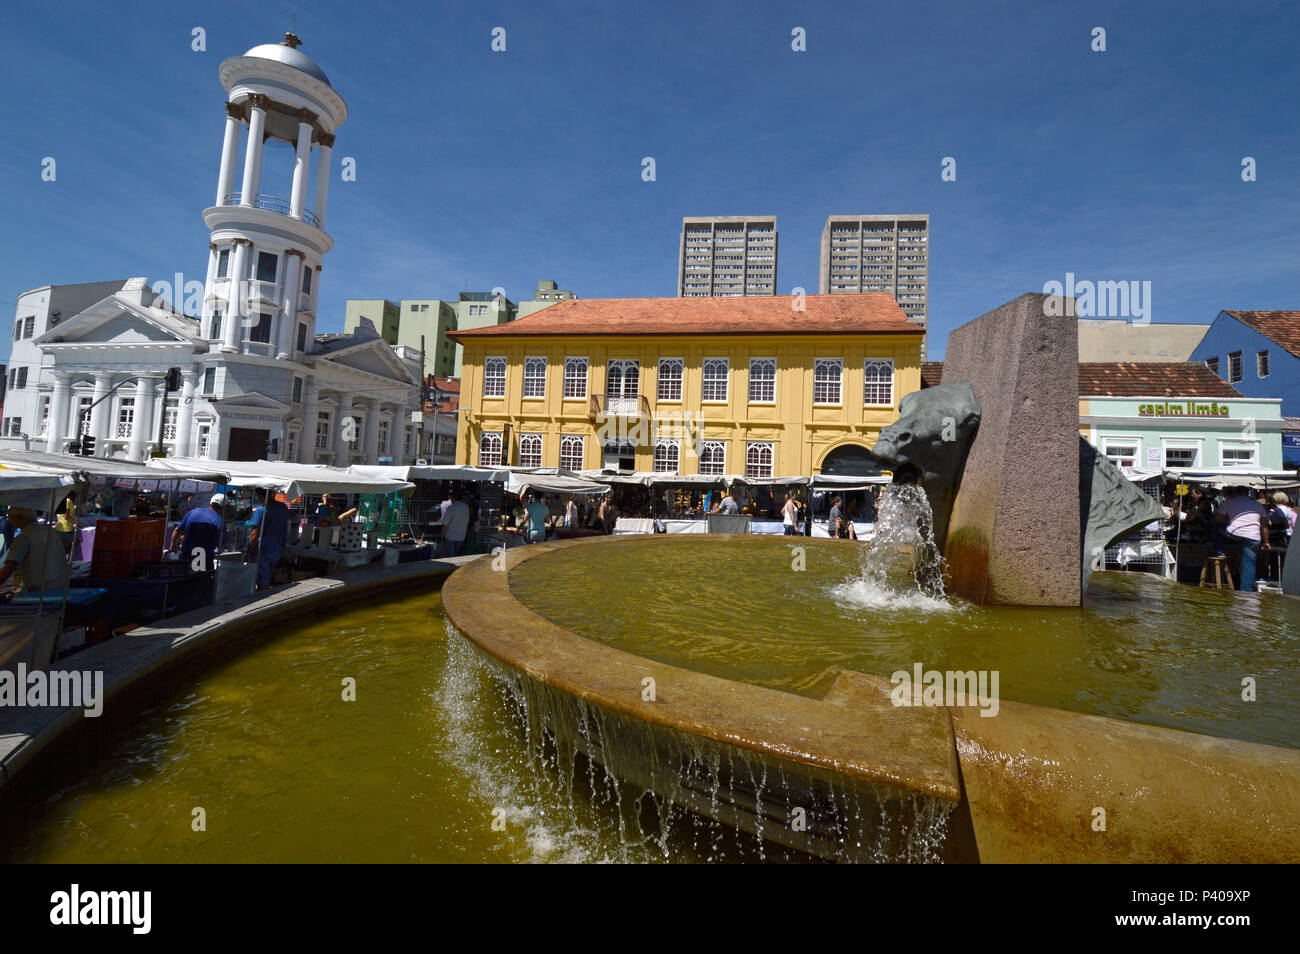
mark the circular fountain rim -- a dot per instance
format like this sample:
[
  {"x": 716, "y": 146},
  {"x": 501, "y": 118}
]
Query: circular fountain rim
[{"x": 1029, "y": 780}]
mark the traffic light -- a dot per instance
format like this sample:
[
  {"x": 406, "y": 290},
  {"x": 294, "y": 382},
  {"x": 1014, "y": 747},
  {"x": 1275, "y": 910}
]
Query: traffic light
[
  {"x": 87, "y": 445},
  {"x": 173, "y": 379}
]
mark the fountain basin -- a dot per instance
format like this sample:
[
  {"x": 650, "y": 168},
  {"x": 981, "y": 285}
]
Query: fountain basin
[{"x": 1023, "y": 785}]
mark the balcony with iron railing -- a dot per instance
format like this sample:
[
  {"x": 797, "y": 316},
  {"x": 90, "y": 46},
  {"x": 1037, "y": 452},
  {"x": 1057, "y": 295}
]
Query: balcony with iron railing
[
  {"x": 271, "y": 203},
  {"x": 618, "y": 406}
]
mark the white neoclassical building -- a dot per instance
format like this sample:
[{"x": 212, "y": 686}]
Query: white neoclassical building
[{"x": 256, "y": 380}]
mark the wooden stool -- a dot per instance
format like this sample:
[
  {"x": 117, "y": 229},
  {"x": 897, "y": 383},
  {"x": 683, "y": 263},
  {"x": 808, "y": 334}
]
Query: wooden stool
[{"x": 1220, "y": 565}]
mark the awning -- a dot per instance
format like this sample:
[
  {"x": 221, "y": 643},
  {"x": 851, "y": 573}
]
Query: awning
[
  {"x": 850, "y": 482},
  {"x": 1256, "y": 478},
  {"x": 522, "y": 482},
  {"x": 769, "y": 481},
  {"x": 39, "y": 491},
  {"x": 289, "y": 478},
  {"x": 36, "y": 461},
  {"x": 498, "y": 475}
]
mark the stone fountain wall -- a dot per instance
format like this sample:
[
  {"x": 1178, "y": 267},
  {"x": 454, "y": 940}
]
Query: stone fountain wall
[{"x": 1014, "y": 537}]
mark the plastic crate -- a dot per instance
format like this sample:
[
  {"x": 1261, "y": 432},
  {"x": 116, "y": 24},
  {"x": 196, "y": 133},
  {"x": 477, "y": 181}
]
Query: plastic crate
[
  {"x": 148, "y": 533},
  {"x": 114, "y": 535}
]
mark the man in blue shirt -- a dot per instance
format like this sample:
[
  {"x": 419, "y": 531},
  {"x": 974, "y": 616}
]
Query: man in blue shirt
[
  {"x": 538, "y": 514},
  {"x": 198, "y": 535},
  {"x": 270, "y": 523}
]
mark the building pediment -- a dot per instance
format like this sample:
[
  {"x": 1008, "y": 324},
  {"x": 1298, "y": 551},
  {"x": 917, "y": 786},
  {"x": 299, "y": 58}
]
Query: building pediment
[
  {"x": 373, "y": 356},
  {"x": 114, "y": 321},
  {"x": 249, "y": 401}
]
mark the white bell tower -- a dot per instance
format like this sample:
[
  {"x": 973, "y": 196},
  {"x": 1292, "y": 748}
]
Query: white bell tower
[{"x": 265, "y": 244}]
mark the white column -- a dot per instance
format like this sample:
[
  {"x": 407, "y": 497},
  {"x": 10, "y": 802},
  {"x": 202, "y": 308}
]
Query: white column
[
  {"x": 59, "y": 401},
  {"x": 307, "y": 444},
  {"x": 142, "y": 422},
  {"x": 371, "y": 445},
  {"x": 99, "y": 415},
  {"x": 236, "y": 306},
  {"x": 289, "y": 305},
  {"x": 302, "y": 156},
  {"x": 341, "y": 415},
  {"x": 323, "y": 152},
  {"x": 229, "y": 151},
  {"x": 185, "y": 414},
  {"x": 253, "y": 153}
]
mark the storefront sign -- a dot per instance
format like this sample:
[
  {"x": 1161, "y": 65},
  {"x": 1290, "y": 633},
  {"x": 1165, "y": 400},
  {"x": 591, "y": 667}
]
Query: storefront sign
[{"x": 1182, "y": 409}]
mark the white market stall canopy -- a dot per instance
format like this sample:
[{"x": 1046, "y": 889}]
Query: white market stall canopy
[
  {"x": 289, "y": 478},
  {"x": 551, "y": 480},
  {"x": 1255, "y": 478},
  {"x": 497, "y": 475},
  {"x": 83, "y": 468},
  {"x": 38, "y": 491}
]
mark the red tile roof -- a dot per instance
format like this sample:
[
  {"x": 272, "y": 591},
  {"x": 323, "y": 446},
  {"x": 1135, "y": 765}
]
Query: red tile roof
[
  {"x": 1130, "y": 379},
  {"x": 1142, "y": 379},
  {"x": 773, "y": 314},
  {"x": 1282, "y": 326}
]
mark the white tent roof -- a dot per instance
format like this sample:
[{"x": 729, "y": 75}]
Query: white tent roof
[
  {"x": 561, "y": 482},
  {"x": 497, "y": 475},
  {"x": 19, "y": 488},
  {"x": 1257, "y": 478},
  {"x": 38, "y": 462},
  {"x": 289, "y": 478}
]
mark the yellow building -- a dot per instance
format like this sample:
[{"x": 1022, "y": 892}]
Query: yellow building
[{"x": 761, "y": 386}]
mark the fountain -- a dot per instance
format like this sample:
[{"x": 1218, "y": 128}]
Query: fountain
[{"x": 757, "y": 681}]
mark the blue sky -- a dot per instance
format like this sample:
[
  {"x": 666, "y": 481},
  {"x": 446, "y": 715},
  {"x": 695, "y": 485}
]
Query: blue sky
[{"x": 477, "y": 169}]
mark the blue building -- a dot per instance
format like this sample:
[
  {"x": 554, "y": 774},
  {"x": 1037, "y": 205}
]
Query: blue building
[{"x": 1258, "y": 353}]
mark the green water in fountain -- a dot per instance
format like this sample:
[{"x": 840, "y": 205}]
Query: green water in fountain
[
  {"x": 434, "y": 751},
  {"x": 741, "y": 608}
]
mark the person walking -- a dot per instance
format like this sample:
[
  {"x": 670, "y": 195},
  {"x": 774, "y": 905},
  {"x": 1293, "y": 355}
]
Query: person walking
[
  {"x": 269, "y": 534},
  {"x": 538, "y": 513}
]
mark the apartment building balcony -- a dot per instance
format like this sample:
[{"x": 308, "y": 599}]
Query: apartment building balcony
[{"x": 619, "y": 406}]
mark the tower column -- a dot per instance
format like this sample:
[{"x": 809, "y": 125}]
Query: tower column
[
  {"x": 229, "y": 151},
  {"x": 371, "y": 445},
  {"x": 302, "y": 155},
  {"x": 289, "y": 307},
  {"x": 258, "y": 104},
  {"x": 99, "y": 411},
  {"x": 323, "y": 152},
  {"x": 185, "y": 413},
  {"x": 236, "y": 306},
  {"x": 59, "y": 401},
  {"x": 307, "y": 446}
]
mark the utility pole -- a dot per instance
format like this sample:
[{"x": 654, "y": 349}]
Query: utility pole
[{"x": 419, "y": 453}]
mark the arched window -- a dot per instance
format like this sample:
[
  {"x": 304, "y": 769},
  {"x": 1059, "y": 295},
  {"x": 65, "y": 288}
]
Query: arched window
[
  {"x": 489, "y": 450},
  {"x": 571, "y": 452},
  {"x": 670, "y": 379},
  {"x": 758, "y": 459},
  {"x": 762, "y": 380},
  {"x": 494, "y": 377},
  {"x": 530, "y": 450},
  {"x": 878, "y": 382},
  {"x": 715, "y": 379},
  {"x": 534, "y": 377},
  {"x": 828, "y": 373},
  {"x": 713, "y": 457},
  {"x": 668, "y": 452}
]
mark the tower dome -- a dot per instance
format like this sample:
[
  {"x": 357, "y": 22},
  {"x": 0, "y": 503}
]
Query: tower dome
[{"x": 287, "y": 52}]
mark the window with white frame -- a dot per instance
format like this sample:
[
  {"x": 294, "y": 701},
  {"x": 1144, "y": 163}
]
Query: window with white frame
[
  {"x": 530, "y": 450},
  {"x": 383, "y": 437},
  {"x": 669, "y": 387},
  {"x": 205, "y": 440},
  {"x": 1122, "y": 451},
  {"x": 45, "y": 416},
  {"x": 291, "y": 446},
  {"x": 1261, "y": 364},
  {"x": 209, "y": 380},
  {"x": 82, "y": 426},
  {"x": 21, "y": 381},
  {"x": 762, "y": 380},
  {"x": 878, "y": 382},
  {"x": 534, "y": 377},
  {"x": 494, "y": 377},
  {"x": 668, "y": 454},
  {"x": 715, "y": 380},
  {"x": 322, "y": 430},
  {"x": 1235, "y": 370},
  {"x": 1182, "y": 453},
  {"x": 828, "y": 378},
  {"x": 571, "y": 451},
  {"x": 758, "y": 459},
  {"x": 352, "y": 431},
  {"x": 297, "y": 390},
  {"x": 489, "y": 450},
  {"x": 1239, "y": 453},
  {"x": 170, "y": 413},
  {"x": 29, "y": 326},
  {"x": 125, "y": 416},
  {"x": 713, "y": 457},
  {"x": 1212, "y": 364},
  {"x": 575, "y": 377}
]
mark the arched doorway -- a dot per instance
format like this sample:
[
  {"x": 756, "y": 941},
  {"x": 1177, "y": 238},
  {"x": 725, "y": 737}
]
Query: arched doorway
[{"x": 850, "y": 460}]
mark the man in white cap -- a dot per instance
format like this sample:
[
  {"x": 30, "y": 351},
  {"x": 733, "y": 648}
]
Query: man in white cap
[{"x": 199, "y": 535}]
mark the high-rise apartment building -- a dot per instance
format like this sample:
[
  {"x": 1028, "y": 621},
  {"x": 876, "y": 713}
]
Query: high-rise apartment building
[
  {"x": 879, "y": 253},
  {"x": 727, "y": 256}
]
